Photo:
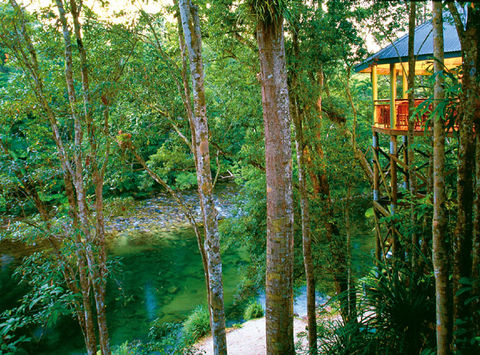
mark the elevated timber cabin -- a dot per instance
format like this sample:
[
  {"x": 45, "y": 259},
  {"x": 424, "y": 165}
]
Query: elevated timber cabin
[{"x": 390, "y": 120}]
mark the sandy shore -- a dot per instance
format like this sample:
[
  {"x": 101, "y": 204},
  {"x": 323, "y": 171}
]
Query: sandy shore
[{"x": 249, "y": 339}]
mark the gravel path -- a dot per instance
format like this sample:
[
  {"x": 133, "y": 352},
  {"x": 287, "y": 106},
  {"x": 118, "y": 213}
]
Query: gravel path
[{"x": 249, "y": 339}]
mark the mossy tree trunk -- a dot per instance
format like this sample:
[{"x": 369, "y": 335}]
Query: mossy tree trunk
[
  {"x": 463, "y": 267},
  {"x": 412, "y": 183},
  {"x": 440, "y": 251},
  {"x": 278, "y": 156},
  {"x": 193, "y": 41}
]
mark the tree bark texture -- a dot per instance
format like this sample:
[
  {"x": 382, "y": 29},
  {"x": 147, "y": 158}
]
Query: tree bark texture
[
  {"x": 192, "y": 34},
  {"x": 89, "y": 246},
  {"x": 276, "y": 116},
  {"x": 96, "y": 260},
  {"x": 412, "y": 182},
  {"x": 440, "y": 247},
  {"x": 321, "y": 190},
  {"x": 469, "y": 35},
  {"x": 186, "y": 94},
  {"x": 301, "y": 150},
  {"x": 476, "y": 237}
]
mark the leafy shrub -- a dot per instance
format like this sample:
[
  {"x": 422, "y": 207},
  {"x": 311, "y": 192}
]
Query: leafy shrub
[
  {"x": 160, "y": 330},
  {"x": 404, "y": 302},
  {"x": 197, "y": 324},
  {"x": 253, "y": 310},
  {"x": 396, "y": 316},
  {"x": 125, "y": 349}
]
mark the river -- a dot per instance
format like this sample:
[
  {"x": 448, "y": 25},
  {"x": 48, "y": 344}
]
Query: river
[{"x": 157, "y": 274}]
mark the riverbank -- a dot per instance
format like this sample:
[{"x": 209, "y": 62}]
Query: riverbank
[
  {"x": 250, "y": 338},
  {"x": 163, "y": 214}
]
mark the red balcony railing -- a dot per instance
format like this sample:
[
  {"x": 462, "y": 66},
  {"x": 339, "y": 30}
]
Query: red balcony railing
[{"x": 382, "y": 115}]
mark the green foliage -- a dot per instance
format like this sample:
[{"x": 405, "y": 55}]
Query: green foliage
[
  {"x": 46, "y": 301},
  {"x": 405, "y": 306},
  {"x": 397, "y": 316},
  {"x": 9, "y": 324},
  {"x": 270, "y": 10},
  {"x": 197, "y": 325},
  {"x": 164, "y": 338},
  {"x": 119, "y": 206},
  {"x": 124, "y": 349},
  {"x": 159, "y": 329},
  {"x": 253, "y": 310}
]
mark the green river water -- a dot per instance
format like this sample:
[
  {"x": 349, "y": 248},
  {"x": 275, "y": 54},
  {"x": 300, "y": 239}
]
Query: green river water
[{"x": 158, "y": 275}]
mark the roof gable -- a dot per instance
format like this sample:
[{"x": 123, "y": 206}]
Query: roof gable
[{"x": 397, "y": 52}]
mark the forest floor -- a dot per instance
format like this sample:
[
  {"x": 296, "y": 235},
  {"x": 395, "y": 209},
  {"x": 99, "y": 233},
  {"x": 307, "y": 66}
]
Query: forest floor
[{"x": 250, "y": 338}]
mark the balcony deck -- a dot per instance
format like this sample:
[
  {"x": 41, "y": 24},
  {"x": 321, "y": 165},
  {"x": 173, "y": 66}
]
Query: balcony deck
[{"x": 382, "y": 118}]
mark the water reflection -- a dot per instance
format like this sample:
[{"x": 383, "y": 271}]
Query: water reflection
[
  {"x": 300, "y": 301},
  {"x": 150, "y": 301},
  {"x": 5, "y": 261}
]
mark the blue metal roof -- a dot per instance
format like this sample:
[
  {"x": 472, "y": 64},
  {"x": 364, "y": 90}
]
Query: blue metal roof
[{"x": 397, "y": 52}]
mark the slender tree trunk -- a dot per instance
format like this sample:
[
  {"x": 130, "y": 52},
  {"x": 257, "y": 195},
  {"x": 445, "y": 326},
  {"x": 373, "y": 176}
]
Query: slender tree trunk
[
  {"x": 321, "y": 190},
  {"x": 89, "y": 247},
  {"x": 82, "y": 311},
  {"x": 352, "y": 295},
  {"x": 188, "y": 109},
  {"x": 304, "y": 204},
  {"x": 306, "y": 242},
  {"x": 94, "y": 244},
  {"x": 192, "y": 34},
  {"x": 462, "y": 265},
  {"x": 276, "y": 116},
  {"x": 338, "y": 265},
  {"x": 100, "y": 256},
  {"x": 439, "y": 232},
  {"x": 412, "y": 181},
  {"x": 469, "y": 35},
  {"x": 476, "y": 239}
]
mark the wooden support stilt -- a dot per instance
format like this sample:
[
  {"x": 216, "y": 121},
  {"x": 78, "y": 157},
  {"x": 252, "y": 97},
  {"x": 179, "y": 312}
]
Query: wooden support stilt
[
  {"x": 376, "y": 191},
  {"x": 394, "y": 192},
  {"x": 393, "y": 96},
  {"x": 375, "y": 167},
  {"x": 374, "y": 92},
  {"x": 393, "y": 174},
  {"x": 406, "y": 176}
]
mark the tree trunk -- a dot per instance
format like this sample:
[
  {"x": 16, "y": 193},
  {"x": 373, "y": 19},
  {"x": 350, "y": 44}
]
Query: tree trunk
[
  {"x": 351, "y": 291},
  {"x": 321, "y": 190},
  {"x": 193, "y": 41},
  {"x": 89, "y": 247},
  {"x": 469, "y": 35},
  {"x": 94, "y": 244},
  {"x": 298, "y": 119},
  {"x": 412, "y": 182},
  {"x": 276, "y": 117},
  {"x": 188, "y": 109},
  {"x": 476, "y": 238},
  {"x": 440, "y": 247},
  {"x": 100, "y": 256}
]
